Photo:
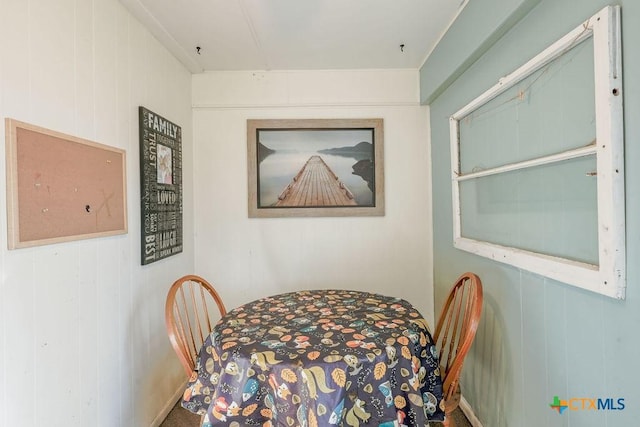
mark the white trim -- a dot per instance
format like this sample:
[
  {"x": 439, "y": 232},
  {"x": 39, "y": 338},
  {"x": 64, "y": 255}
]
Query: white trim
[
  {"x": 608, "y": 277},
  {"x": 444, "y": 32},
  {"x": 168, "y": 406},
  {"x": 385, "y": 104},
  {"x": 468, "y": 412},
  {"x": 565, "y": 155}
]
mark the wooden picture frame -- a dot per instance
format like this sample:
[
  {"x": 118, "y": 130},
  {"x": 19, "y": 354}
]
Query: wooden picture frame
[
  {"x": 61, "y": 188},
  {"x": 315, "y": 167}
]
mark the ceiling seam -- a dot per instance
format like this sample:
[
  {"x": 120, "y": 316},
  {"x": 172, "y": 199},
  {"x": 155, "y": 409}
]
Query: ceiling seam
[{"x": 254, "y": 34}]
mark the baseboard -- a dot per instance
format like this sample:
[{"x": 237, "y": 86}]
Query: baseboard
[
  {"x": 468, "y": 412},
  {"x": 169, "y": 405}
]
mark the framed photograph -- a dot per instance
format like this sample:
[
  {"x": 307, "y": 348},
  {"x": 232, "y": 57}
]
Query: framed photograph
[
  {"x": 161, "y": 187},
  {"x": 315, "y": 167},
  {"x": 61, "y": 187}
]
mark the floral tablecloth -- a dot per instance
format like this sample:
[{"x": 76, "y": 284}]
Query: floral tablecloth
[{"x": 318, "y": 358}]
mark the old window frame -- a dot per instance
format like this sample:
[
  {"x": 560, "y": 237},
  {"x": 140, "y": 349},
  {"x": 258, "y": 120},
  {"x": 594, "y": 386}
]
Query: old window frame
[{"x": 608, "y": 277}]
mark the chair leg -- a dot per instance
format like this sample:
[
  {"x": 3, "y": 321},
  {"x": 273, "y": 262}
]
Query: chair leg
[
  {"x": 448, "y": 420},
  {"x": 450, "y": 406}
]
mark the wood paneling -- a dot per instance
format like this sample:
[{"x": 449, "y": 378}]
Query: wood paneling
[
  {"x": 82, "y": 338},
  {"x": 556, "y": 340}
]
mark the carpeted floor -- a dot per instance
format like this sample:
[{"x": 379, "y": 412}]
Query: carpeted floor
[{"x": 180, "y": 417}]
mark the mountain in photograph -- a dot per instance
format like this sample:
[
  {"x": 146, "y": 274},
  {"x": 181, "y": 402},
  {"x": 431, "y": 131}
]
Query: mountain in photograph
[
  {"x": 263, "y": 152},
  {"x": 361, "y": 150},
  {"x": 366, "y": 170}
]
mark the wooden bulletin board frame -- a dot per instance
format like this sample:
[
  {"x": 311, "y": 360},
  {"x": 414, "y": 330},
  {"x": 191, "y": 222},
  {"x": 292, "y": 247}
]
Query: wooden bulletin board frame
[
  {"x": 61, "y": 188},
  {"x": 161, "y": 187}
]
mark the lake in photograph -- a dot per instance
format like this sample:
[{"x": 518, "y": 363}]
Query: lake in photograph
[
  {"x": 278, "y": 170},
  {"x": 285, "y": 152}
]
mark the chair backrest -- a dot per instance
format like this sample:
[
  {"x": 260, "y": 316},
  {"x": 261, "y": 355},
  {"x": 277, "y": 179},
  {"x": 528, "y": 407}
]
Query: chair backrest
[
  {"x": 189, "y": 316},
  {"x": 457, "y": 327}
]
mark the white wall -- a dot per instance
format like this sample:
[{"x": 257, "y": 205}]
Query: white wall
[
  {"x": 250, "y": 258},
  {"x": 82, "y": 338}
]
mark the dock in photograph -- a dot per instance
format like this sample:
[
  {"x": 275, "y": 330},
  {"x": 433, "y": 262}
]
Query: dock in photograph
[{"x": 315, "y": 185}]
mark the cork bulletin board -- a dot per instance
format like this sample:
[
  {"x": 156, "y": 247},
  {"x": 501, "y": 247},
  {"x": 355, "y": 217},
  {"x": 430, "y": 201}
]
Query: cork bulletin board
[
  {"x": 61, "y": 188},
  {"x": 160, "y": 186}
]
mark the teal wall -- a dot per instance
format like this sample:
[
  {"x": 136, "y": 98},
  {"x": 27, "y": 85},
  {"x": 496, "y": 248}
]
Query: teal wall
[
  {"x": 539, "y": 338},
  {"x": 466, "y": 41}
]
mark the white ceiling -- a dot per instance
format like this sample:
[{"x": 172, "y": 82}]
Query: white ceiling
[{"x": 297, "y": 34}]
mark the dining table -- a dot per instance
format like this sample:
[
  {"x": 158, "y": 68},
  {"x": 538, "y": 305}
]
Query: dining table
[{"x": 311, "y": 358}]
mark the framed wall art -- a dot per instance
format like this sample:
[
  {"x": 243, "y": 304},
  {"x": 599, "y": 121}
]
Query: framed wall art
[
  {"x": 161, "y": 186},
  {"x": 549, "y": 199},
  {"x": 315, "y": 167},
  {"x": 61, "y": 187}
]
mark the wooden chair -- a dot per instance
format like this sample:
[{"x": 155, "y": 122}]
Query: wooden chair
[
  {"x": 188, "y": 317},
  {"x": 454, "y": 334}
]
